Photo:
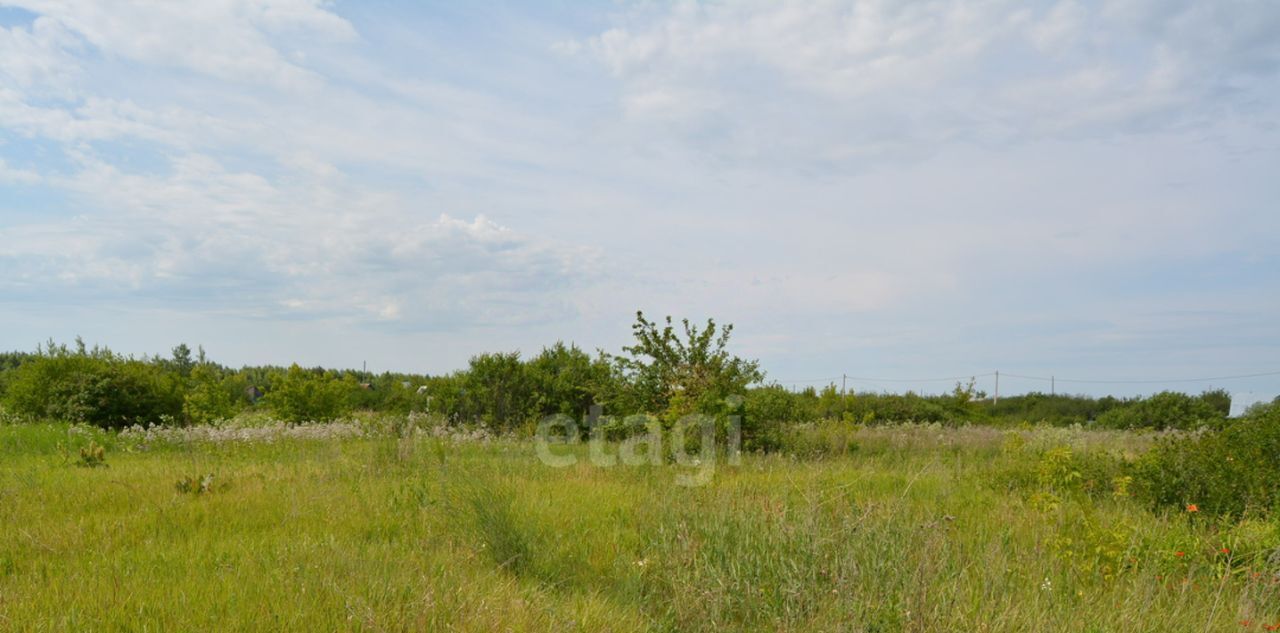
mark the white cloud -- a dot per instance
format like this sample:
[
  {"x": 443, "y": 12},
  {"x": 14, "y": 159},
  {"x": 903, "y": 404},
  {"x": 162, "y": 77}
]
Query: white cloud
[
  {"x": 227, "y": 39},
  {"x": 11, "y": 175},
  {"x": 38, "y": 57},
  {"x": 246, "y": 245},
  {"x": 801, "y": 82},
  {"x": 797, "y": 167}
]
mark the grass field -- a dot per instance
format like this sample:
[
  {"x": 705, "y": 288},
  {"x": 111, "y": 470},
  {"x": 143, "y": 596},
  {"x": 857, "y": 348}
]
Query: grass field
[{"x": 905, "y": 528}]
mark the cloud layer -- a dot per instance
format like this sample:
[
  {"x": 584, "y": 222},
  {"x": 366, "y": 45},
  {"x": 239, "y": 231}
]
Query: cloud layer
[{"x": 899, "y": 185}]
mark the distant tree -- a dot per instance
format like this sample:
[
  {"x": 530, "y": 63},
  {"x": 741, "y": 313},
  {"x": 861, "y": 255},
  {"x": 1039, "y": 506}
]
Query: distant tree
[
  {"x": 212, "y": 396},
  {"x": 181, "y": 360},
  {"x": 675, "y": 372},
  {"x": 300, "y": 395},
  {"x": 567, "y": 380},
  {"x": 499, "y": 391}
]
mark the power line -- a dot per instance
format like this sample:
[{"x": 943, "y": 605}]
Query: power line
[
  {"x": 864, "y": 379},
  {"x": 1147, "y": 381},
  {"x": 946, "y": 379},
  {"x": 1048, "y": 379}
]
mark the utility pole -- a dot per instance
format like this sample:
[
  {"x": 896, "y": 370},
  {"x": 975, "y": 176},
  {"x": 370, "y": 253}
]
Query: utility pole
[
  {"x": 844, "y": 379},
  {"x": 1053, "y": 385},
  {"x": 996, "y": 399}
]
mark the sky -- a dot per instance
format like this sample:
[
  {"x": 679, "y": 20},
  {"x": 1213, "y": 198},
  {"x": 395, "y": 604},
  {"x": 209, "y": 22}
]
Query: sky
[{"x": 880, "y": 189}]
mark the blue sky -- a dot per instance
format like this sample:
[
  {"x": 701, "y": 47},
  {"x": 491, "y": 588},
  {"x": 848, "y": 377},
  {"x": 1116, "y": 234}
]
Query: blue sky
[{"x": 887, "y": 189}]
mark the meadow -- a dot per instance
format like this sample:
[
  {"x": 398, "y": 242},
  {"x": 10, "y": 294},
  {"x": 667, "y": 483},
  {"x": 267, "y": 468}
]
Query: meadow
[{"x": 385, "y": 524}]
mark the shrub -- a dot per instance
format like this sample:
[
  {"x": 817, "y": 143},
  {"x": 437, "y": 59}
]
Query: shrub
[
  {"x": 1168, "y": 410},
  {"x": 1232, "y": 471},
  {"x": 303, "y": 396},
  {"x": 499, "y": 391},
  {"x": 94, "y": 388},
  {"x": 212, "y": 396}
]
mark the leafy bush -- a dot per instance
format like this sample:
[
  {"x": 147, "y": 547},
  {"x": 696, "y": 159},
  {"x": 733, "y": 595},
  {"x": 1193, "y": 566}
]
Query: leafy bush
[
  {"x": 499, "y": 391},
  {"x": 1055, "y": 409},
  {"x": 96, "y": 388},
  {"x": 674, "y": 373},
  {"x": 773, "y": 402},
  {"x": 1168, "y": 410},
  {"x": 566, "y": 380},
  {"x": 1232, "y": 471},
  {"x": 306, "y": 396},
  {"x": 212, "y": 396}
]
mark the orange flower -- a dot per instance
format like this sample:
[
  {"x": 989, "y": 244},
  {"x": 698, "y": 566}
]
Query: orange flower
[
  {"x": 1191, "y": 507},
  {"x": 1179, "y": 554},
  {"x": 1245, "y": 623},
  {"x": 1225, "y": 551}
]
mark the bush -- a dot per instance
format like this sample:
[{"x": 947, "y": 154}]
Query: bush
[
  {"x": 212, "y": 396},
  {"x": 1234, "y": 471},
  {"x": 96, "y": 388},
  {"x": 303, "y": 396},
  {"x": 499, "y": 391},
  {"x": 1168, "y": 410}
]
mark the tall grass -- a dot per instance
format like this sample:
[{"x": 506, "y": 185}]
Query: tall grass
[{"x": 892, "y": 529}]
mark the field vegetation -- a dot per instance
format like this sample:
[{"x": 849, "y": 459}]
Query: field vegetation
[{"x": 175, "y": 493}]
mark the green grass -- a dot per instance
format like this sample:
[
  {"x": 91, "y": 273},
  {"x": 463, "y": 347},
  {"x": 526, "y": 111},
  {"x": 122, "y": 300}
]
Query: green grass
[{"x": 907, "y": 528}]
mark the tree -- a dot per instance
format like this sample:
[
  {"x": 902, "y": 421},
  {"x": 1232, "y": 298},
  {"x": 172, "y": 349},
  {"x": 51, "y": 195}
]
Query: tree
[
  {"x": 304, "y": 396},
  {"x": 567, "y": 380},
  {"x": 674, "y": 373},
  {"x": 182, "y": 362},
  {"x": 212, "y": 396},
  {"x": 498, "y": 390},
  {"x": 94, "y": 387}
]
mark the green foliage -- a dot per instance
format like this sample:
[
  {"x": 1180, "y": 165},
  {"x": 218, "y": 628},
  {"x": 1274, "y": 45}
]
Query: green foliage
[
  {"x": 1233, "y": 471},
  {"x": 309, "y": 396},
  {"x": 1169, "y": 410},
  {"x": 773, "y": 403},
  {"x": 567, "y": 381},
  {"x": 212, "y": 396},
  {"x": 673, "y": 374},
  {"x": 499, "y": 391},
  {"x": 1055, "y": 409},
  {"x": 97, "y": 388}
]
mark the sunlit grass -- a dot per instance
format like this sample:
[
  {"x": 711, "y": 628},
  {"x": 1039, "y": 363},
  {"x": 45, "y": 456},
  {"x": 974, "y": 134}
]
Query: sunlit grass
[{"x": 900, "y": 529}]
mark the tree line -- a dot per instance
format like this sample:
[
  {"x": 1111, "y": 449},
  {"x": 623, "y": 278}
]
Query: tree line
[{"x": 670, "y": 370}]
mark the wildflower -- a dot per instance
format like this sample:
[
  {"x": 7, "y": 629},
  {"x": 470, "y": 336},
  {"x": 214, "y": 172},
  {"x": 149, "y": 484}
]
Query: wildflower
[
  {"x": 1225, "y": 550},
  {"x": 1191, "y": 507},
  {"x": 1179, "y": 554}
]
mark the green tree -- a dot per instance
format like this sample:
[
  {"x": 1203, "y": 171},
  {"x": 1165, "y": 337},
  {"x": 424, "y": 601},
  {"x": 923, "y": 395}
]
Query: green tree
[
  {"x": 181, "y": 360},
  {"x": 567, "y": 380},
  {"x": 499, "y": 391},
  {"x": 675, "y": 372},
  {"x": 94, "y": 387},
  {"x": 212, "y": 396},
  {"x": 299, "y": 395}
]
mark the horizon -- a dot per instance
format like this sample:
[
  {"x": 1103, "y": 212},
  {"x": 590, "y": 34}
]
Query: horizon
[{"x": 1082, "y": 190}]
